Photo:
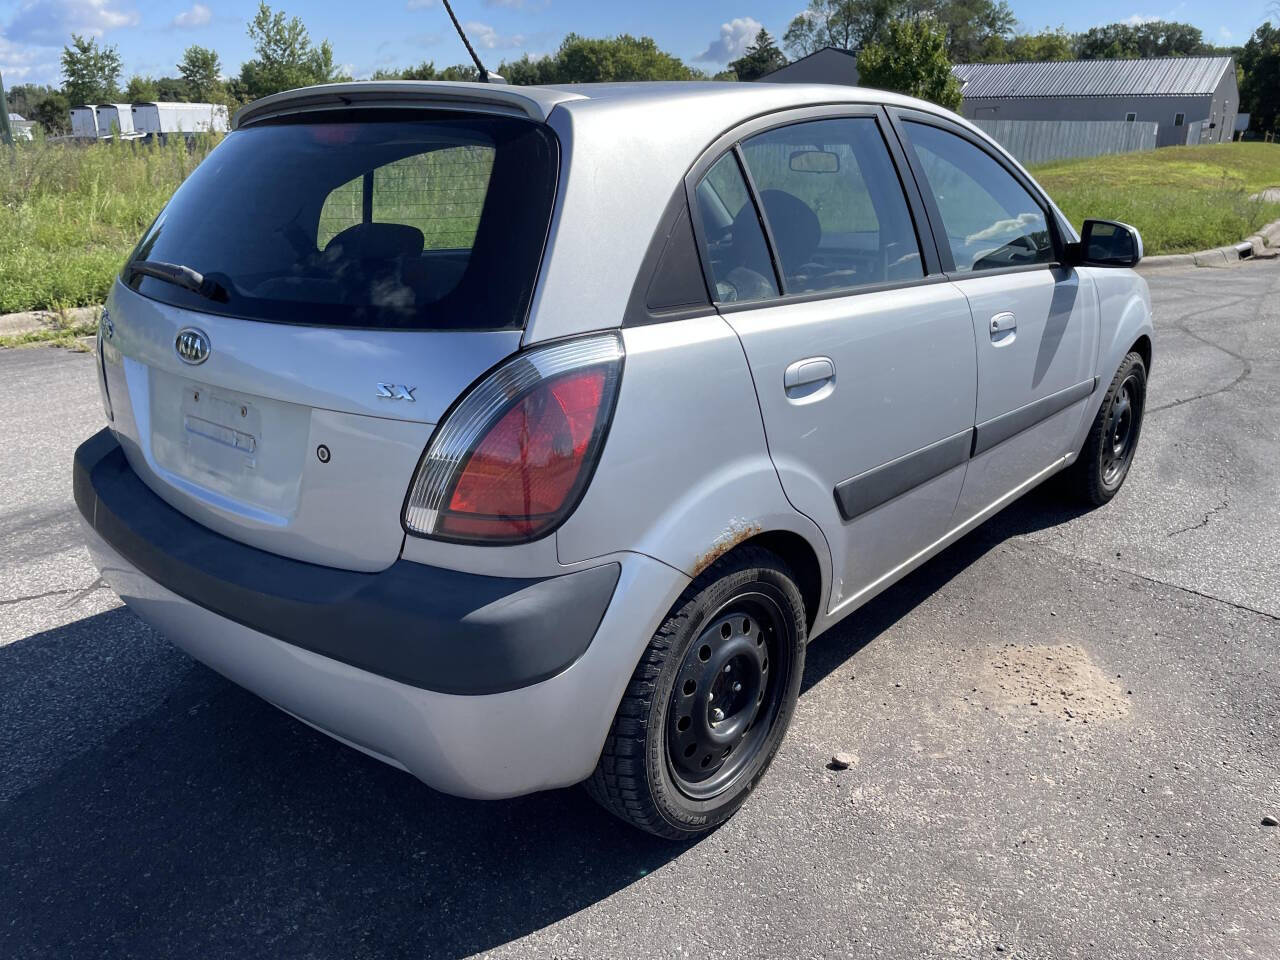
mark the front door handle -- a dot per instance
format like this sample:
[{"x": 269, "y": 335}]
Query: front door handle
[
  {"x": 811, "y": 370},
  {"x": 1003, "y": 323}
]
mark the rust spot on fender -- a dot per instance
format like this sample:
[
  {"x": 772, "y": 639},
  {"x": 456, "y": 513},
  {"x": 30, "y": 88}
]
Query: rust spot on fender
[{"x": 738, "y": 532}]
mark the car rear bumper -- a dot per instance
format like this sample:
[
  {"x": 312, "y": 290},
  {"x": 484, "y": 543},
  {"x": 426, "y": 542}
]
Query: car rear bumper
[{"x": 509, "y": 721}]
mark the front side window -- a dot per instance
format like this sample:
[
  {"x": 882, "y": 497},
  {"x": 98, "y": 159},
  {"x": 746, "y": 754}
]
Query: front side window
[
  {"x": 733, "y": 240},
  {"x": 834, "y": 204},
  {"x": 1179, "y": 119},
  {"x": 990, "y": 219},
  {"x": 402, "y": 221}
]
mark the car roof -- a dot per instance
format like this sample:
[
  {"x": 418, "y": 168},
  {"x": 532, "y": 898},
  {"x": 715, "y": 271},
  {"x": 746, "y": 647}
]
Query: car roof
[{"x": 744, "y": 100}]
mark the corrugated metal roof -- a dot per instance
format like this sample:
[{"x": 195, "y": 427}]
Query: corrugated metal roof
[{"x": 1164, "y": 77}]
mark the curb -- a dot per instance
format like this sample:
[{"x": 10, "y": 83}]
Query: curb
[
  {"x": 33, "y": 321},
  {"x": 1262, "y": 245}
]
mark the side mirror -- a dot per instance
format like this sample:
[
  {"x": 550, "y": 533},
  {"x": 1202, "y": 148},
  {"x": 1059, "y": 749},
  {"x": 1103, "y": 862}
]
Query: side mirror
[{"x": 1106, "y": 243}]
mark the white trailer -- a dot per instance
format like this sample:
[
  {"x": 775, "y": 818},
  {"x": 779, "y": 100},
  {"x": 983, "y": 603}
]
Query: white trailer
[
  {"x": 84, "y": 122},
  {"x": 113, "y": 118},
  {"x": 166, "y": 118}
]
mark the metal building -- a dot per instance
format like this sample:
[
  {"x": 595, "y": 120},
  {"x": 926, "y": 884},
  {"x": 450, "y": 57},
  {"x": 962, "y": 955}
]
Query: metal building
[
  {"x": 1193, "y": 99},
  {"x": 828, "y": 65}
]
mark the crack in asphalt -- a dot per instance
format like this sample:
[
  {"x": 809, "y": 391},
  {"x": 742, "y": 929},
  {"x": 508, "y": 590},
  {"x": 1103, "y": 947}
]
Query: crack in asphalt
[
  {"x": 1204, "y": 522},
  {"x": 1111, "y": 568},
  {"x": 1180, "y": 324},
  {"x": 80, "y": 594}
]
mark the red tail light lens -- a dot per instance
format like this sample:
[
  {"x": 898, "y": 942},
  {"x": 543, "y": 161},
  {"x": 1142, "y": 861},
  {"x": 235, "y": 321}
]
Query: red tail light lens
[
  {"x": 512, "y": 459},
  {"x": 528, "y": 465}
]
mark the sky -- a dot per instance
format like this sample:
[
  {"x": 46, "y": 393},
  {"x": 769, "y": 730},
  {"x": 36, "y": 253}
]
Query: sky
[{"x": 374, "y": 34}]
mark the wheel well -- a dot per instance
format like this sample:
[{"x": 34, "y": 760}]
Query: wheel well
[
  {"x": 799, "y": 556},
  {"x": 1143, "y": 346}
]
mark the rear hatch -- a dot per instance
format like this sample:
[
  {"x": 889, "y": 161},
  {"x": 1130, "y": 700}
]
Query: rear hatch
[{"x": 309, "y": 304}]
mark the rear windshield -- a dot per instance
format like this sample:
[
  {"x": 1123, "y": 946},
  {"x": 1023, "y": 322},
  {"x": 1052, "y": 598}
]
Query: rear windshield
[{"x": 416, "y": 222}]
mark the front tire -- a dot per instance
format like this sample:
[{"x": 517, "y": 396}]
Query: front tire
[
  {"x": 1109, "y": 449},
  {"x": 709, "y": 702}
]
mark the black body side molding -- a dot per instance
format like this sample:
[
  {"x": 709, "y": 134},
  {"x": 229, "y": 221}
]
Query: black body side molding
[
  {"x": 881, "y": 484},
  {"x": 999, "y": 429}
]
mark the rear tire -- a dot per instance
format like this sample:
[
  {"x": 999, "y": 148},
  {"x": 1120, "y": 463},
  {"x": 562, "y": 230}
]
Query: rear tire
[
  {"x": 1109, "y": 449},
  {"x": 709, "y": 702}
]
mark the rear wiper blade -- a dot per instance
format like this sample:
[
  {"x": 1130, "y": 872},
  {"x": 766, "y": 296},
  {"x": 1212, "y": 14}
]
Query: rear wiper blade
[{"x": 179, "y": 276}]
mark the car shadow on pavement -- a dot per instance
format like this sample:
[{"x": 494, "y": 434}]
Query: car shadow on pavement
[{"x": 214, "y": 825}]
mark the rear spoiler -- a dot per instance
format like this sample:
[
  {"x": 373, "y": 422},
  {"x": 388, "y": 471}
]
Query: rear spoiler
[{"x": 536, "y": 103}]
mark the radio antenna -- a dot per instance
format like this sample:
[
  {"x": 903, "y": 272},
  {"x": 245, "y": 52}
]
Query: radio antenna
[{"x": 484, "y": 74}]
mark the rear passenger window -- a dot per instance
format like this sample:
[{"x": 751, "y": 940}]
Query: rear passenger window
[
  {"x": 990, "y": 219},
  {"x": 834, "y": 205},
  {"x": 732, "y": 236}
]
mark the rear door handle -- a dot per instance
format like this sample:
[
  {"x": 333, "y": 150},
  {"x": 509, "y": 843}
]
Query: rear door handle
[{"x": 807, "y": 371}]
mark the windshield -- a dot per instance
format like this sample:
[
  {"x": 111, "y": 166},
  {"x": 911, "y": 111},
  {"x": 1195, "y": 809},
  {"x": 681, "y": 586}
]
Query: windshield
[{"x": 412, "y": 222}]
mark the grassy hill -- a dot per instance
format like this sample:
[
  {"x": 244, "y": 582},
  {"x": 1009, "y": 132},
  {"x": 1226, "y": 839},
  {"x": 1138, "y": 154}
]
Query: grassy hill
[{"x": 1180, "y": 198}]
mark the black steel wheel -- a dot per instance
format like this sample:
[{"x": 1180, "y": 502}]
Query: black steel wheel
[
  {"x": 1121, "y": 433},
  {"x": 1109, "y": 449},
  {"x": 727, "y": 693},
  {"x": 709, "y": 702}
]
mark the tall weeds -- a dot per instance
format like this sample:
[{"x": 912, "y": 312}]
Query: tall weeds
[{"x": 70, "y": 213}]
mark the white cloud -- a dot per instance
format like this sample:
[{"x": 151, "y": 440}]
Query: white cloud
[
  {"x": 1138, "y": 19},
  {"x": 1225, "y": 35},
  {"x": 25, "y": 63},
  {"x": 483, "y": 35},
  {"x": 198, "y": 16},
  {"x": 735, "y": 37},
  {"x": 419, "y": 4},
  {"x": 50, "y": 23}
]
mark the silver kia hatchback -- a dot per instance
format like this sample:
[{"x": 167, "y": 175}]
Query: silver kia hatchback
[{"x": 522, "y": 437}]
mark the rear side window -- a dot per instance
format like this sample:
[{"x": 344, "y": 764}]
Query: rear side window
[
  {"x": 413, "y": 222},
  {"x": 834, "y": 204},
  {"x": 734, "y": 240},
  {"x": 990, "y": 219}
]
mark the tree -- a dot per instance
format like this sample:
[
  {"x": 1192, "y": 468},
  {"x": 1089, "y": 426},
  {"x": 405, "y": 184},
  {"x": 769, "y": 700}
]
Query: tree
[
  {"x": 1260, "y": 93},
  {"x": 975, "y": 29},
  {"x": 763, "y": 56},
  {"x": 201, "y": 69},
  {"x": 141, "y": 89},
  {"x": 90, "y": 73},
  {"x": 172, "y": 90},
  {"x": 286, "y": 57},
  {"x": 1042, "y": 46},
  {"x": 845, "y": 24},
  {"x": 53, "y": 113},
  {"x": 1128, "y": 41},
  {"x": 595, "y": 60},
  {"x": 427, "y": 71},
  {"x": 911, "y": 60}
]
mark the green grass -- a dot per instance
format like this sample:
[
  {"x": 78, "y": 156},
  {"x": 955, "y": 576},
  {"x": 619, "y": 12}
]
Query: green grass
[
  {"x": 1181, "y": 199},
  {"x": 70, "y": 214}
]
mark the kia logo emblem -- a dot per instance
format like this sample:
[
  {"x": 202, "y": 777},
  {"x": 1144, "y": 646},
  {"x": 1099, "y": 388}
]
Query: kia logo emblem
[{"x": 192, "y": 345}]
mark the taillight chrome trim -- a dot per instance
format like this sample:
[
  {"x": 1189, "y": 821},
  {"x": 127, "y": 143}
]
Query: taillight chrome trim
[{"x": 484, "y": 404}]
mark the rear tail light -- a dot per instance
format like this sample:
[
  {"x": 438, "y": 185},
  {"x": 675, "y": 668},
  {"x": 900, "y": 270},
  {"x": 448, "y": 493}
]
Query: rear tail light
[{"x": 511, "y": 460}]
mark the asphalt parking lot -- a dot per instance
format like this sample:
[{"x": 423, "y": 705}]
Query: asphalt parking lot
[{"x": 1067, "y": 730}]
